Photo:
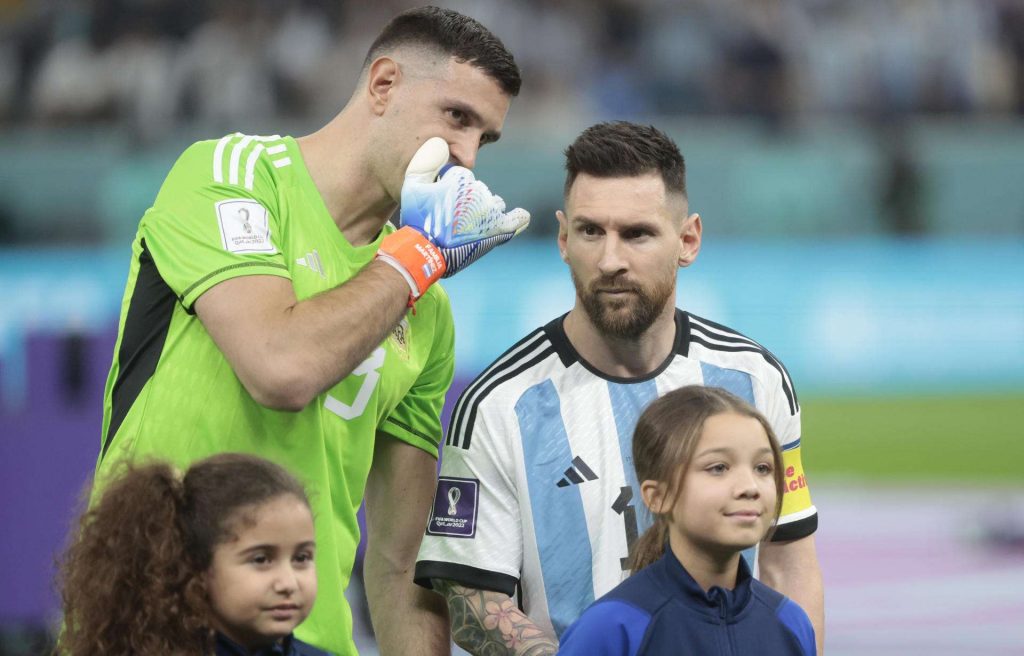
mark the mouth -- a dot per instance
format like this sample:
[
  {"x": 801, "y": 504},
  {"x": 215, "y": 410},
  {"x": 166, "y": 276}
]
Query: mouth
[
  {"x": 744, "y": 515},
  {"x": 616, "y": 291},
  {"x": 284, "y": 611}
]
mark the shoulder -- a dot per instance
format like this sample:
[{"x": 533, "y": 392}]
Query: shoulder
[
  {"x": 609, "y": 626},
  {"x": 766, "y": 597},
  {"x": 527, "y": 363},
  {"x": 642, "y": 590},
  {"x": 719, "y": 346},
  {"x": 300, "y": 648},
  {"x": 786, "y": 612},
  {"x": 244, "y": 161}
]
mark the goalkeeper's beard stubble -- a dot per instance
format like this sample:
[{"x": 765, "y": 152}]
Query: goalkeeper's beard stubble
[{"x": 627, "y": 315}]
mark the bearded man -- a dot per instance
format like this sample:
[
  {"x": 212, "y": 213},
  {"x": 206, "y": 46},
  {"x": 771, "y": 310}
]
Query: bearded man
[{"x": 537, "y": 503}]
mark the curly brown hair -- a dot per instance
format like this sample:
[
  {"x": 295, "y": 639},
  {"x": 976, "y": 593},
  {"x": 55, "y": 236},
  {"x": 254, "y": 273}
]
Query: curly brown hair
[{"x": 131, "y": 580}]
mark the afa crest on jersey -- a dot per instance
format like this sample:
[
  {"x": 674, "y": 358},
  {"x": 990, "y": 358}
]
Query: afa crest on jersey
[{"x": 400, "y": 337}]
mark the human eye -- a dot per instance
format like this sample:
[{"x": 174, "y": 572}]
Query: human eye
[
  {"x": 259, "y": 559},
  {"x": 764, "y": 468},
  {"x": 304, "y": 557},
  {"x": 457, "y": 116},
  {"x": 636, "y": 234},
  {"x": 716, "y": 469},
  {"x": 588, "y": 230}
]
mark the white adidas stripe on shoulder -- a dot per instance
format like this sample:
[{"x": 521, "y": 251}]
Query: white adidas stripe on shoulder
[
  {"x": 250, "y": 166},
  {"x": 236, "y": 155},
  {"x": 728, "y": 339},
  {"x": 234, "y": 168},
  {"x": 218, "y": 156},
  {"x": 530, "y": 347}
]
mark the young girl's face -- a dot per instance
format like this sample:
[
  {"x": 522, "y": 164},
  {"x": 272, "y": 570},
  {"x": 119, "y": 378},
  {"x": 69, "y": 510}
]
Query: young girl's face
[
  {"x": 262, "y": 584},
  {"x": 727, "y": 500}
]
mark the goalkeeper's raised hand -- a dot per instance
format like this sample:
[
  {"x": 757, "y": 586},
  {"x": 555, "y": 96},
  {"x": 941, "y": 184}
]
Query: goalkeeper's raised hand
[{"x": 447, "y": 223}]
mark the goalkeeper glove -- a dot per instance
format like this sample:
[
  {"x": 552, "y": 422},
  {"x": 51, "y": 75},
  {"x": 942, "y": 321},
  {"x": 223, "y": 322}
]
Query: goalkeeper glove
[{"x": 447, "y": 223}]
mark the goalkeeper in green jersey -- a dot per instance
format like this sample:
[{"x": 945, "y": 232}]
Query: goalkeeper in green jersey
[{"x": 272, "y": 308}]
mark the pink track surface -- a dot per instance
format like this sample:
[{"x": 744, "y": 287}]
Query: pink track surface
[{"x": 909, "y": 571}]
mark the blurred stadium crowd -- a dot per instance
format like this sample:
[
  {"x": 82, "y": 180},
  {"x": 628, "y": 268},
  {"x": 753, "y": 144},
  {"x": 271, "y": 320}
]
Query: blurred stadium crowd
[
  {"x": 801, "y": 117},
  {"x": 151, "y": 64}
]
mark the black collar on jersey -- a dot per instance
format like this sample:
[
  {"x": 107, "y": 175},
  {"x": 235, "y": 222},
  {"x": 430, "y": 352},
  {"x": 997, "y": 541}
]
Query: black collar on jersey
[
  {"x": 717, "y": 602},
  {"x": 568, "y": 354}
]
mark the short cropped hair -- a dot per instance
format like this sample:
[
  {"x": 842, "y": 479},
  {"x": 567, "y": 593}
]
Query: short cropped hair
[
  {"x": 455, "y": 35},
  {"x": 622, "y": 149}
]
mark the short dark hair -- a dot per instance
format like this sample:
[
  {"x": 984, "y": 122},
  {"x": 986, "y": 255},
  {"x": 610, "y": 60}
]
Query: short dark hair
[
  {"x": 456, "y": 35},
  {"x": 623, "y": 149}
]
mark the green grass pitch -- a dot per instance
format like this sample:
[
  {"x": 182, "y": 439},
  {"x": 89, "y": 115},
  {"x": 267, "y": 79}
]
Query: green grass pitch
[{"x": 972, "y": 439}]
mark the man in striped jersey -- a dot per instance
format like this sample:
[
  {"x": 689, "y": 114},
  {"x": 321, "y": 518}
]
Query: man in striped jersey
[
  {"x": 267, "y": 307},
  {"x": 537, "y": 502}
]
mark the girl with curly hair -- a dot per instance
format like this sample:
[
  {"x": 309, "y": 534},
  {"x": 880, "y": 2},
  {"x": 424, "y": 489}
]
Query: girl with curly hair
[
  {"x": 711, "y": 473},
  {"x": 216, "y": 562}
]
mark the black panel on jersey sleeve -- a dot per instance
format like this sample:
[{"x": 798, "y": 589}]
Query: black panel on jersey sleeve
[
  {"x": 142, "y": 340},
  {"x": 796, "y": 530},
  {"x": 464, "y": 575}
]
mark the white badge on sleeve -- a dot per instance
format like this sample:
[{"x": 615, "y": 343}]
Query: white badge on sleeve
[{"x": 244, "y": 226}]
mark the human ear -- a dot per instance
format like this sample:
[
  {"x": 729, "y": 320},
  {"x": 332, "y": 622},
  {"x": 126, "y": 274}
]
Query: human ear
[
  {"x": 381, "y": 78},
  {"x": 654, "y": 494},
  {"x": 689, "y": 240},
  {"x": 563, "y": 234}
]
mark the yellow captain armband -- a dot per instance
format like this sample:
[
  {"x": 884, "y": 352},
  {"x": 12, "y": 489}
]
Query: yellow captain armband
[{"x": 797, "y": 496}]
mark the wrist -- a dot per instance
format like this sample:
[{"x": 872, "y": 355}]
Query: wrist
[{"x": 414, "y": 256}]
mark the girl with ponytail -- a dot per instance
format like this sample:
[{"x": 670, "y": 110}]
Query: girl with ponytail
[
  {"x": 216, "y": 562},
  {"x": 710, "y": 472}
]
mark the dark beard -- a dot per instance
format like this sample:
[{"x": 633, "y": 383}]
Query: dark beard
[{"x": 646, "y": 306}]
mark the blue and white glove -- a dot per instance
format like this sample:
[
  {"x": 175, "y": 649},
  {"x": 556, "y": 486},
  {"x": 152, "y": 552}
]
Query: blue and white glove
[{"x": 457, "y": 212}]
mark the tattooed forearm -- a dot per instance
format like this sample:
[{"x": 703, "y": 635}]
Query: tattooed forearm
[{"x": 486, "y": 623}]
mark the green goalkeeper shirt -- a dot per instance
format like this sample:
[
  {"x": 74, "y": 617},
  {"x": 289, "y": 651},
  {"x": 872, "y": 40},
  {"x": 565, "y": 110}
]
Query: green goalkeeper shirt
[{"x": 244, "y": 206}]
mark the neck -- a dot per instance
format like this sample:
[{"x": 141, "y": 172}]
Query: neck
[
  {"x": 708, "y": 568},
  {"x": 622, "y": 357},
  {"x": 336, "y": 157}
]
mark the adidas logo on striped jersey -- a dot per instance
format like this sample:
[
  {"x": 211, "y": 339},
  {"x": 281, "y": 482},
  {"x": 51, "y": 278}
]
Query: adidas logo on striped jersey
[{"x": 575, "y": 474}]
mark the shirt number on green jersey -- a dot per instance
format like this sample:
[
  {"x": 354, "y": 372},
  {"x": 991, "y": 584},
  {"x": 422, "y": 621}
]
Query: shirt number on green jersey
[{"x": 370, "y": 368}]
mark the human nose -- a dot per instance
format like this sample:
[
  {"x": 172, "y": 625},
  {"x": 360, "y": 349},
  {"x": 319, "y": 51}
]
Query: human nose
[
  {"x": 746, "y": 485},
  {"x": 287, "y": 581},
  {"x": 612, "y": 260},
  {"x": 464, "y": 151}
]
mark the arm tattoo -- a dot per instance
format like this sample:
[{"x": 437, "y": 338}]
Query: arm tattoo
[{"x": 486, "y": 623}]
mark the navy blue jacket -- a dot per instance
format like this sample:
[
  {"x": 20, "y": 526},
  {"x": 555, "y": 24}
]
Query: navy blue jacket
[
  {"x": 290, "y": 646},
  {"x": 661, "y": 610}
]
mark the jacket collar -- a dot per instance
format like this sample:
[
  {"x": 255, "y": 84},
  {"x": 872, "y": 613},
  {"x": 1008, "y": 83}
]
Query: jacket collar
[
  {"x": 718, "y": 602},
  {"x": 225, "y": 646}
]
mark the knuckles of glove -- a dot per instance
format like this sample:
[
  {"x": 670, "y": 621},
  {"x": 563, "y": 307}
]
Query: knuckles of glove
[{"x": 455, "y": 210}]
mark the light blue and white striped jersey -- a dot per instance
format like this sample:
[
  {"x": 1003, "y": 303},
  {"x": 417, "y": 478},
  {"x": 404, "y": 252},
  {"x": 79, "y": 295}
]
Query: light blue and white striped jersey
[{"x": 537, "y": 494}]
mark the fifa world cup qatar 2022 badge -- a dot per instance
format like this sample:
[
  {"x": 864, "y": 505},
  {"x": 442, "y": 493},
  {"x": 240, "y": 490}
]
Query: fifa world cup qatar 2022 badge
[
  {"x": 455, "y": 507},
  {"x": 244, "y": 226}
]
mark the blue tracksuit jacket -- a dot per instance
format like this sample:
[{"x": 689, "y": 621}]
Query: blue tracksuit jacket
[
  {"x": 662, "y": 611},
  {"x": 290, "y": 646}
]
